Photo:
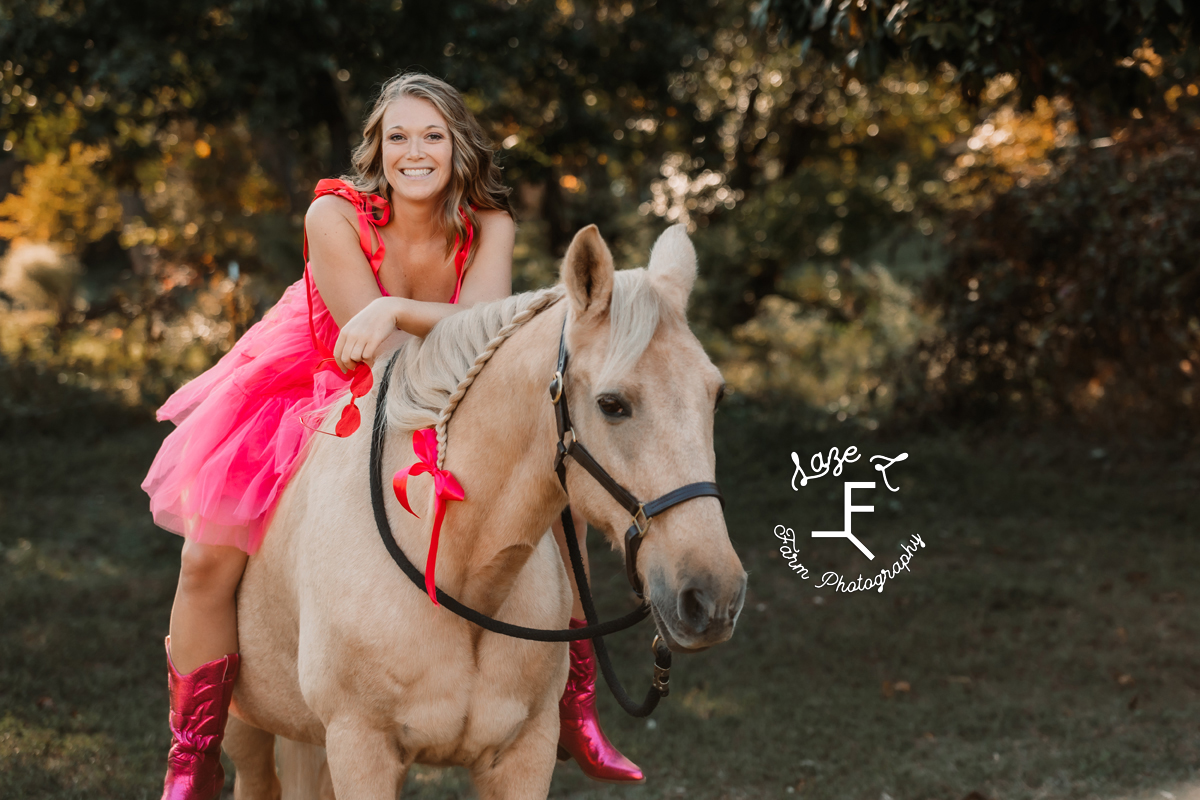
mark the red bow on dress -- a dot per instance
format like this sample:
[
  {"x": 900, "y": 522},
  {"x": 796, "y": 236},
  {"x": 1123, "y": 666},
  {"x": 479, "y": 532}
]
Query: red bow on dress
[{"x": 445, "y": 488}]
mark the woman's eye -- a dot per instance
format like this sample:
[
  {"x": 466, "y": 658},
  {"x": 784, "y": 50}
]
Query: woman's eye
[{"x": 612, "y": 406}]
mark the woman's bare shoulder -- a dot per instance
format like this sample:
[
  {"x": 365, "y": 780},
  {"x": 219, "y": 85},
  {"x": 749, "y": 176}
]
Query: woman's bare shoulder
[
  {"x": 495, "y": 221},
  {"x": 325, "y": 212}
]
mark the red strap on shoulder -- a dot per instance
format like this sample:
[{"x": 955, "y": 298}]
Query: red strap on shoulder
[
  {"x": 464, "y": 252},
  {"x": 373, "y": 210},
  {"x": 368, "y": 206}
]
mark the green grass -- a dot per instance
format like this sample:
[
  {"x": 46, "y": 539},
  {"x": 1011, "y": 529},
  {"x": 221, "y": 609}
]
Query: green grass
[{"x": 1047, "y": 633}]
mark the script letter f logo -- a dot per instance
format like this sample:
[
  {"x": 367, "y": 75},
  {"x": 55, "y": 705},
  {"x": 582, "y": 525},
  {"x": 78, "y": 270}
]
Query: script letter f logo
[{"x": 850, "y": 509}]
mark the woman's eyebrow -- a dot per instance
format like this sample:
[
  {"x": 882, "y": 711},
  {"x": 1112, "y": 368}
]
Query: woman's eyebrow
[{"x": 427, "y": 127}]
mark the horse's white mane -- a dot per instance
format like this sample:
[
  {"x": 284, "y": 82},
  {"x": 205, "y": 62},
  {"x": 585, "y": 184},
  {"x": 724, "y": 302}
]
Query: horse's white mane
[
  {"x": 432, "y": 374},
  {"x": 429, "y": 372}
]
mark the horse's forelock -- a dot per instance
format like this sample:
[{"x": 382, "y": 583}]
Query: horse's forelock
[{"x": 633, "y": 318}]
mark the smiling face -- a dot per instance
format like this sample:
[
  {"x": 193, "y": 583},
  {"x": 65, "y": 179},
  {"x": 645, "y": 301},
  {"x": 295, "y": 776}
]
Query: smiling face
[{"x": 417, "y": 151}]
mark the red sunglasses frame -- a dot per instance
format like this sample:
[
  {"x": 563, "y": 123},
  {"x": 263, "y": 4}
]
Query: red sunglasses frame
[{"x": 361, "y": 381}]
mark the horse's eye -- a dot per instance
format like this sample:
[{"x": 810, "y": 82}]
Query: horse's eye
[{"x": 612, "y": 406}]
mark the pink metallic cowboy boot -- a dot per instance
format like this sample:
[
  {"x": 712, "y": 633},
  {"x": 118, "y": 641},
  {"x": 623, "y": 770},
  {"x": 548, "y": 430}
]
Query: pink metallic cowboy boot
[
  {"x": 199, "y": 709},
  {"x": 579, "y": 734}
]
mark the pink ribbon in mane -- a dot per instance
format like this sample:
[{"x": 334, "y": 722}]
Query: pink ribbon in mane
[{"x": 445, "y": 488}]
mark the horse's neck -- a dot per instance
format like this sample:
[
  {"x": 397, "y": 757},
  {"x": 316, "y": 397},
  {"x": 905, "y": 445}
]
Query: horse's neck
[{"x": 501, "y": 444}]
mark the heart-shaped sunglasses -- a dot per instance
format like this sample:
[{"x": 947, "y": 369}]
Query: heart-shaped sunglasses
[{"x": 361, "y": 381}]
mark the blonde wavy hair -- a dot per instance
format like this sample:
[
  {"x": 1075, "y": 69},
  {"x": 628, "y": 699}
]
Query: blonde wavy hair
[{"x": 474, "y": 180}]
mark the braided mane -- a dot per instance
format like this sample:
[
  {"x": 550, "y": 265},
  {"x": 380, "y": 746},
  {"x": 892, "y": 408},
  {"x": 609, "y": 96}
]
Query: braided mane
[{"x": 433, "y": 374}]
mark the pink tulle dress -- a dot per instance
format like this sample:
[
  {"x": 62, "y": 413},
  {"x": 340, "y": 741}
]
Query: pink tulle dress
[{"x": 243, "y": 425}]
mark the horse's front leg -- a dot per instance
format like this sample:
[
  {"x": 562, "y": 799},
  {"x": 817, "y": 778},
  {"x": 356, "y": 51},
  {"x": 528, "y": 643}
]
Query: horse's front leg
[
  {"x": 364, "y": 763},
  {"x": 253, "y": 754},
  {"x": 524, "y": 768}
]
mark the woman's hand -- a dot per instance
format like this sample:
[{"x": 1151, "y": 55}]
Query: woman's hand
[{"x": 362, "y": 335}]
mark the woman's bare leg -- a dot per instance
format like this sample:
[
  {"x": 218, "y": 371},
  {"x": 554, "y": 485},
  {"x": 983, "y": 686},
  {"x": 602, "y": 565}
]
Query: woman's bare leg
[
  {"x": 204, "y": 615},
  {"x": 581, "y": 536}
]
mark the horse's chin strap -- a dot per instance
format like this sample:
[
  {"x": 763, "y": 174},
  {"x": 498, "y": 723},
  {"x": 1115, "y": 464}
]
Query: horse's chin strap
[
  {"x": 660, "y": 686},
  {"x": 640, "y": 513}
]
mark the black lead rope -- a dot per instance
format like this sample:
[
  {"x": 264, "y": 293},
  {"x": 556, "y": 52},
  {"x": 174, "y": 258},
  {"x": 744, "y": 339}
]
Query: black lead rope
[
  {"x": 594, "y": 630},
  {"x": 662, "y": 654}
]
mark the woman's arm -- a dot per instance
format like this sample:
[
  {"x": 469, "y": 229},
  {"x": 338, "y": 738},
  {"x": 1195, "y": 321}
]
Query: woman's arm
[
  {"x": 488, "y": 278},
  {"x": 339, "y": 267}
]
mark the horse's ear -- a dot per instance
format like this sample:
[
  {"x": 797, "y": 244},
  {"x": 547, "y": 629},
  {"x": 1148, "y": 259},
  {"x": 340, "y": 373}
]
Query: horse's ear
[
  {"x": 588, "y": 273},
  {"x": 673, "y": 265}
]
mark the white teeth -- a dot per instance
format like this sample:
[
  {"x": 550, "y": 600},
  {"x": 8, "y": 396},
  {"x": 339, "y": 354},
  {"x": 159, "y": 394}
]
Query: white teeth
[{"x": 417, "y": 173}]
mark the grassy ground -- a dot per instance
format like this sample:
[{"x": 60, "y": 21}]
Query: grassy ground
[{"x": 1043, "y": 644}]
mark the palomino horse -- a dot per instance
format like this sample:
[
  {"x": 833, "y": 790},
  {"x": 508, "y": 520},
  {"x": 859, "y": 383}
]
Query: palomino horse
[{"x": 340, "y": 650}]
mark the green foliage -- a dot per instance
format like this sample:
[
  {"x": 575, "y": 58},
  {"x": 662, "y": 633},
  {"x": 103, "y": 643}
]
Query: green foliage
[
  {"x": 809, "y": 168},
  {"x": 39, "y": 278},
  {"x": 36, "y": 398},
  {"x": 1078, "y": 294},
  {"x": 838, "y": 346},
  {"x": 213, "y": 121},
  {"x": 162, "y": 145},
  {"x": 543, "y": 70},
  {"x": 61, "y": 199},
  {"x": 1083, "y": 49}
]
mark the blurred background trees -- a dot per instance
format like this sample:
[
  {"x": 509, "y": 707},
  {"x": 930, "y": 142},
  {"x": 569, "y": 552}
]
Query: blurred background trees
[{"x": 963, "y": 210}]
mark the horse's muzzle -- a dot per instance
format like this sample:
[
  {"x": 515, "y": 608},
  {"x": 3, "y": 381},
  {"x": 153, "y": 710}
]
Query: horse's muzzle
[{"x": 700, "y": 614}]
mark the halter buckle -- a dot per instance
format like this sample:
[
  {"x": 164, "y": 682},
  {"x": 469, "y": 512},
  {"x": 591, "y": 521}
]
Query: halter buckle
[
  {"x": 556, "y": 388},
  {"x": 662, "y": 675},
  {"x": 641, "y": 528}
]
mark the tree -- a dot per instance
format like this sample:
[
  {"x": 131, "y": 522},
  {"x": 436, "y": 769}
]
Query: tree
[
  {"x": 1086, "y": 50},
  {"x": 541, "y": 74},
  {"x": 213, "y": 120},
  {"x": 1077, "y": 295}
]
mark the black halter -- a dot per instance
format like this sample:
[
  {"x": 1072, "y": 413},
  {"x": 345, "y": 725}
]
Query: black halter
[
  {"x": 640, "y": 513},
  {"x": 594, "y": 630}
]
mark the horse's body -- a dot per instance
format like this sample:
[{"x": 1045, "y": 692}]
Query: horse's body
[{"x": 340, "y": 650}]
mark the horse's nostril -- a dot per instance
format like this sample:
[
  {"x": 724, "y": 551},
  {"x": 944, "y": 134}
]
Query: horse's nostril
[
  {"x": 735, "y": 606},
  {"x": 695, "y": 608}
]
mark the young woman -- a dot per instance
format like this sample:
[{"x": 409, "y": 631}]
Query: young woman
[{"x": 421, "y": 229}]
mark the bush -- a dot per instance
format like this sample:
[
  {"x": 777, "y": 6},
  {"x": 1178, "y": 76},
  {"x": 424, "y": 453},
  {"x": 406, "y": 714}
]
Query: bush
[
  {"x": 1077, "y": 295},
  {"x": 39, "y": 277}
]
